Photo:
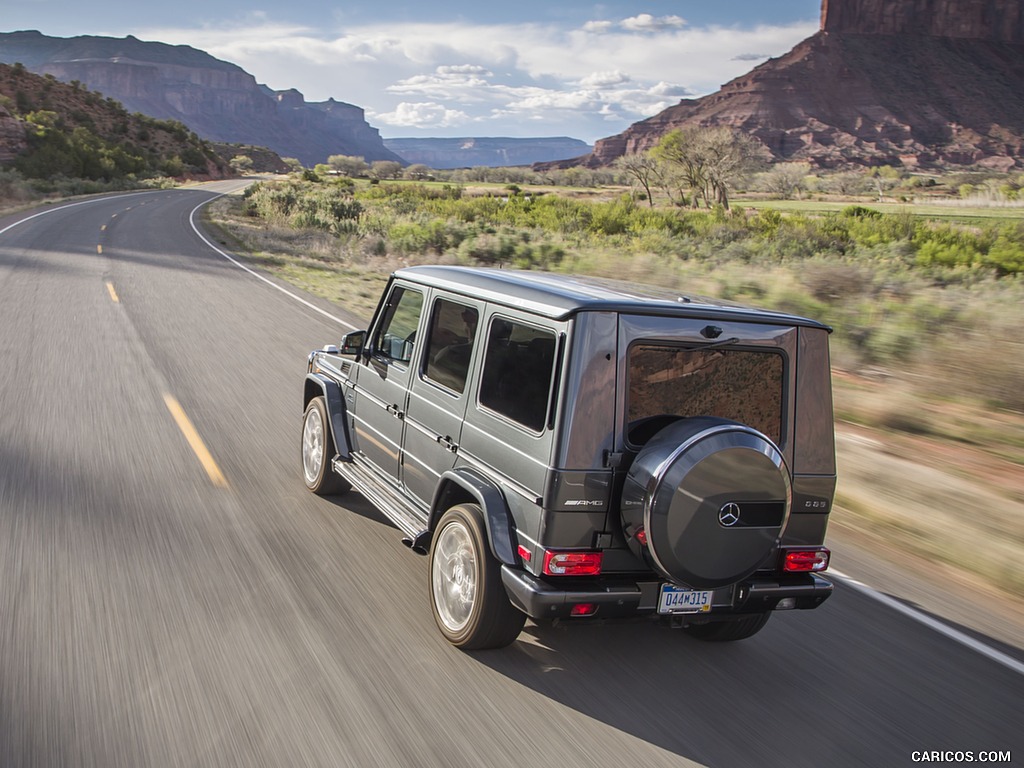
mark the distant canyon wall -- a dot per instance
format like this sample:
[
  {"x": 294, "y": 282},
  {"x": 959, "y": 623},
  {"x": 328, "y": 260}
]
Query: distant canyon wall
[
  {"x": 217, "y": 100},
  {"x": 446, "y": 153}
]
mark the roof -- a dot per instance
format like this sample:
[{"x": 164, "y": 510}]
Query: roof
[{"x": 560, "y": 296}]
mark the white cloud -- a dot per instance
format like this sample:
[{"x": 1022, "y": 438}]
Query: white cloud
[
  {"x": 604, "y": 79},
  {"x": 465, "y": 69},
  {"x": 669, "y": 89},
  {"x": 647, "y": 23},
  {"x": 506, "y": 78},
  {"x": 422, "y": 115}
]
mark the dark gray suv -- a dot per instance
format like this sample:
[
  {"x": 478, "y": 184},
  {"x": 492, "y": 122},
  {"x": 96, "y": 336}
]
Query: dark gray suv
[{"x": 574, "y": 449}]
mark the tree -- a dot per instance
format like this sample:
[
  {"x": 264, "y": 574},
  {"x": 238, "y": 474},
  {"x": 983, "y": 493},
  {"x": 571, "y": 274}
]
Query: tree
[
  {"x": 708, "y": 160},
  {"x": 418, "y": 171},
  {"x": 241, "y": 163},
  {"x": 644, "y": 169},
  {"x": 786, "y": 180},
  {"x": 885, "y": 178},
  {"x": 385, "y": 169},
  {"x": 845, "y": 183},
  {"x": 348, "y": 165}
]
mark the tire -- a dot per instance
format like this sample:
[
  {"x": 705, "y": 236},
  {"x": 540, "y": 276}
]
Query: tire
[
  {"x": 728, "y": 631},
  {"x": 317, "y": 450},
  {"x": 467, "y": 597},
  {"x": 713, "y": 497}
]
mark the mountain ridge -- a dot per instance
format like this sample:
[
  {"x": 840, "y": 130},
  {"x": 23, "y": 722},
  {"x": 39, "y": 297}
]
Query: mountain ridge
[{"x": 217, "y": 99}]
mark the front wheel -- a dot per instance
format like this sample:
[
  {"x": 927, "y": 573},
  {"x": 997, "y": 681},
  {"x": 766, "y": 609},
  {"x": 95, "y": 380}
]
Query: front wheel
[
  {"x": 727, "y": 631},
  {"x": 468, "y": 600},
  {"x": 318, "y": 450}
]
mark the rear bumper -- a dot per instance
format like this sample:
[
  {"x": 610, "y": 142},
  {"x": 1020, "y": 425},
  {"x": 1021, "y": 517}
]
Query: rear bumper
[{"x": 617, "y": 597}]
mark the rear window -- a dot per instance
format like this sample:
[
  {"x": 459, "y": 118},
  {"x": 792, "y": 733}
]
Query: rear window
[{"x": 669, "y": 381}]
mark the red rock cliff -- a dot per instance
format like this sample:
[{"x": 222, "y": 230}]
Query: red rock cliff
[
  {"x": 998, "y": 20},
  {"x": 885, "y": 81}
]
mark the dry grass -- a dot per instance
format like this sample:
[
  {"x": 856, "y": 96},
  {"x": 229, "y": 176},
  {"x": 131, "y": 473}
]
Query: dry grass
[
  {"x": 323, "y": 265},
  {"x": 906, "y": 495}
]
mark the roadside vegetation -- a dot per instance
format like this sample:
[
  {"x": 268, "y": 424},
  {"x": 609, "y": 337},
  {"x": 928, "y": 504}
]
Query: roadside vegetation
[
  {"x": 926, "y": 309},
  {"x": 76, "y": 141},
  {"x": 906, "y": 293}
]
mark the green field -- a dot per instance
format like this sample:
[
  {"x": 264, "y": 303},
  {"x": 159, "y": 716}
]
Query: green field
[{"x": 954, "y": 210}]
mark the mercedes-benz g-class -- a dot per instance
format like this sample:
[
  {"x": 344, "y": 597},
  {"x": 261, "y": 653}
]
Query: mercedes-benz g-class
[{"x": 564, "y": 448}]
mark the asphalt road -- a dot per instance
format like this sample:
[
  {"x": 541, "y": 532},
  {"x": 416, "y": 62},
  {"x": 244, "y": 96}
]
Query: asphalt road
[{"x": 157, "y": 609}]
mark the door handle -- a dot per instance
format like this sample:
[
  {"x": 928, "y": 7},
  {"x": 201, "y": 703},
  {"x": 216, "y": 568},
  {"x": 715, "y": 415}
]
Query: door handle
[
  {"x": 448, "y": 443},
  {"x": 395, "y": 411}
]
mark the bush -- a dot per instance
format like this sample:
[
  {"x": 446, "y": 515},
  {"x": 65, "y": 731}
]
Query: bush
[{"x": 860, "y": 212}]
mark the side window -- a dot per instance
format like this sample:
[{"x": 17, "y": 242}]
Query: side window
[
  {"x": 450, "y": 344},
  {"x": 397, "y": 333},
  {"x": 519, "y": 365}
]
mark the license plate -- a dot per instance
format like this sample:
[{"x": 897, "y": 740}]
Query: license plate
[{"x": 678, "y": 600}]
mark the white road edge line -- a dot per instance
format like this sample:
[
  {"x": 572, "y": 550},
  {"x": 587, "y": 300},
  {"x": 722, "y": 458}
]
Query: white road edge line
[
  {"x": 943, "y": 629},
  {"x": 271, "y": 283},
  {"x": 81, "y": 202}
]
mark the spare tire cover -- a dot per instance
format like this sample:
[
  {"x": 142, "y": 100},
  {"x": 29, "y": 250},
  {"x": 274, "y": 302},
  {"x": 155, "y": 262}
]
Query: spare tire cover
[{"x": 713, "y": 497}]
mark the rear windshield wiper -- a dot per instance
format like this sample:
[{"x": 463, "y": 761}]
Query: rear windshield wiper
[{"x": 713, "y": 344}]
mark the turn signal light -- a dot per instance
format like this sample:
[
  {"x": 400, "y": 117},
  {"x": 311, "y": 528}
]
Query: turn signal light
[
  {"x": 805, "y": 560},
  {"x": 572, "y": 563}
]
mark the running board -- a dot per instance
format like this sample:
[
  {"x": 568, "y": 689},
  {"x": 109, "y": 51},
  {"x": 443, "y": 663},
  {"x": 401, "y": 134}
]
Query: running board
[{"x": 393, "y": 505}]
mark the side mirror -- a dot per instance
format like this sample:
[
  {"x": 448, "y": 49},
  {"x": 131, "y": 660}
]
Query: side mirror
[{"x": 352, "y": 343}]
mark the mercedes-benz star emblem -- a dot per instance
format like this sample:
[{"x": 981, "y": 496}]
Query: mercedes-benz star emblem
[{"x": 729, "y": 514}]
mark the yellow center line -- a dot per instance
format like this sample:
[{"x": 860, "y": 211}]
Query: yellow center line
[
  {"x": 99, "y": 249},
  {"x": 112, "y": 292},
  {"x": 196, "y": 442}
]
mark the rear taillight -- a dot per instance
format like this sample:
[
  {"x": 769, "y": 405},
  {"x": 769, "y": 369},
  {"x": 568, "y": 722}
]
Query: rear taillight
[
  {"x": 572, "y": 563},
  {"x": 805, "y": 560}
]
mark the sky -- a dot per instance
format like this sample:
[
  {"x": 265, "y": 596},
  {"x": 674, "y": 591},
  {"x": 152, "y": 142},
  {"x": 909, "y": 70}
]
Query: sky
[{"x": 522, "y": 68}]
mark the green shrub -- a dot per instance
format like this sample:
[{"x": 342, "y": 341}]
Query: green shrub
[{"x": 1005, "y": 256}]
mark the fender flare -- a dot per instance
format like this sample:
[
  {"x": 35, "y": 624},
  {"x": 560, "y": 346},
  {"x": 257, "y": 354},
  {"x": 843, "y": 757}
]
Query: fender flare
[
  {"x": 497, "y": 517},
  {"x": 317, "y": 384}
]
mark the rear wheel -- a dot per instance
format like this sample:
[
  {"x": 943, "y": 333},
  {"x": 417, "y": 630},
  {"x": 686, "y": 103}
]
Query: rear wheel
[
  {"x": 318, "y": 450},
  {"x": 727, "y": 631},
  {"x": 468, "y": 600}
]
